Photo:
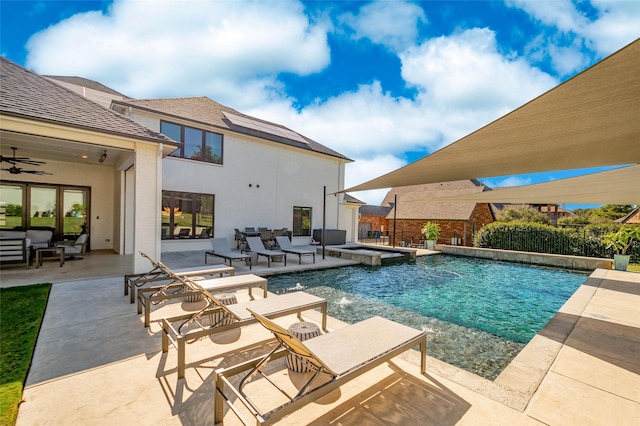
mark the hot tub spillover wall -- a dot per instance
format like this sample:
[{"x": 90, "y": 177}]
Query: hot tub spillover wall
[{"x": 370, "y": 256}]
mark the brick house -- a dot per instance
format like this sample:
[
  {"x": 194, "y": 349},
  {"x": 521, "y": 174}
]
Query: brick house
[
  {"x": 373, "y": 219},
  {"x": 456, "y": 220}
]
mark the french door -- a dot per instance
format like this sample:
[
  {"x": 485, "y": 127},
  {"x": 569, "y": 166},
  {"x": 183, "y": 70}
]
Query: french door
[{"x": 62, "y": 208}]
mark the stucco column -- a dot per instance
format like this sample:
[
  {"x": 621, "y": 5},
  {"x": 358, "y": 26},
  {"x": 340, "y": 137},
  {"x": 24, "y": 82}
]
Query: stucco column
[{"x": 147, "y": 204}]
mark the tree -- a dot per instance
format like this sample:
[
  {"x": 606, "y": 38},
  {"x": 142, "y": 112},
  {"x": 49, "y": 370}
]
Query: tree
[
  {"x": 612, "y": 211},
  {"x": 521, "y": 214}
]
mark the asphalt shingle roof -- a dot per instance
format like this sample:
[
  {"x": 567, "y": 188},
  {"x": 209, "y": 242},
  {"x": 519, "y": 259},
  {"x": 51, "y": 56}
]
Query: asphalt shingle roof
[
  {"x": 413, "y": 201},
  {"x": 85, "y": 82},
  {"x": 204, "y": 111},
  {"x": 24, "y": 93},
  {"x": 371, "y": 210}
]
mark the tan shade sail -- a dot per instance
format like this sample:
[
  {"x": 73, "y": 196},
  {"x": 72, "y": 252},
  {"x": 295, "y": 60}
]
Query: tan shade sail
[
  {"x": 590, "y": 120},
  {"x": 617, "y": 186}
]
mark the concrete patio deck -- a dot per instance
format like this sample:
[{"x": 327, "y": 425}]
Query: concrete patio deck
[{"x": 96, "y": 364}]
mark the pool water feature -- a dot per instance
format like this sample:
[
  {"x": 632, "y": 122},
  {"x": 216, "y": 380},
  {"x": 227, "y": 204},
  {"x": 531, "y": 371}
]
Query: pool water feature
[{"x": 478, "y": 314}]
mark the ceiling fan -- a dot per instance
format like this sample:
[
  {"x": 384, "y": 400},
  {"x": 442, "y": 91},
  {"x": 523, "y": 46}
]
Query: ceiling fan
[{"x": 15, "y": 170}]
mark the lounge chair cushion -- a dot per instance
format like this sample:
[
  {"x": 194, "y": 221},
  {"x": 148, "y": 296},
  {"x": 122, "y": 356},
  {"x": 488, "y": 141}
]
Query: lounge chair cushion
[{"x": 347, "y": 348}]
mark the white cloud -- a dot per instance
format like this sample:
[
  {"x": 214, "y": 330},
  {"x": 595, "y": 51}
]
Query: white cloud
[
  {"x": 508, "y": 181},
  {"x": 393, "y": 24},
  {"x": 465, "y": 72},
  {"x": 462, "y": 83},
  {"x": 185, "y": 48},
  {"x": 366, "y": 169},
  {"x": 571, "y": 34},
  {"x": 561, "y": 14},
  {"x": 616, "y": 26}
]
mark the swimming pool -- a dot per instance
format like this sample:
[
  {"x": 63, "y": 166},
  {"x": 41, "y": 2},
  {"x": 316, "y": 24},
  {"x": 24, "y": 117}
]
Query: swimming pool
[{"x": 478, "y": 314}]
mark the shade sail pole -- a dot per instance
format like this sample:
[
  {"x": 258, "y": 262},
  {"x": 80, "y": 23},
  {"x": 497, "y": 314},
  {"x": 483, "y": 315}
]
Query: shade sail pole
[
  {"x": 324, "y": 218},
  {"x": 395, "y": 211}
]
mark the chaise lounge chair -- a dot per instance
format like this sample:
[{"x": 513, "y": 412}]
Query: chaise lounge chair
[
  {"x": 343, "y": 355},
  {"x": 221, "y": 249},
  {"x": 148, "y": 297},
  {"x": 287, "y": 247},
  {"x": 256, "y": 246},
  {"x": 160, "y": 273},
  {"x": 189, "y": 328}
]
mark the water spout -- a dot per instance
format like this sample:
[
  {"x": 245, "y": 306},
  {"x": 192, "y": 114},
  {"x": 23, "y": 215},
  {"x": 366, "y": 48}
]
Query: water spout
[
  {"x": 297, "y": 287},
  {"x": 344, "y": 301}
]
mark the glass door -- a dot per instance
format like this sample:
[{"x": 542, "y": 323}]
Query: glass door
[
  {"x": 42, "y": 207},
  {"x": 74, "y": 222}
]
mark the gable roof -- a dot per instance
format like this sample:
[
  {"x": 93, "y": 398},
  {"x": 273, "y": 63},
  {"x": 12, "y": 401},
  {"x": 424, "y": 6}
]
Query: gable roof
[
  {"x": 632, "y": 217},
  {"x": 371, "y": 210},
  {"x": 204, "y": 111},
  {"x": 85, "y": 82},
  {"x": 414, "y": 201},
  {"x": 351, "y": 199},
  {"x": 25, "y": 94}
]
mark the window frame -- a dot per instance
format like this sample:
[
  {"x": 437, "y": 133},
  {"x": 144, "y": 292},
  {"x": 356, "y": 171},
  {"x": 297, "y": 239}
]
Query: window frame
[
  {"x": 298, "y": 229},
  {"x": 173, "y": 199},
  {"x": 204, "y": 139}
]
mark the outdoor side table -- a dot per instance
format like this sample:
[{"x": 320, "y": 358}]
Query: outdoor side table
[
  {"x": 225, "y": 299},
  {"x": 54, "y": 250},
  {"x": 302, "y": 330},
  {"x": 194, "y": 298}
]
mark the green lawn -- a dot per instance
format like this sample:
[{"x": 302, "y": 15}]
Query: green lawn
[{"x": 22, "y": 309}]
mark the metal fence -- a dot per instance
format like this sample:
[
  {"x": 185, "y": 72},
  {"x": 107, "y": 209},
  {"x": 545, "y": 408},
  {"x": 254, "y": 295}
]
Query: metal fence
[{"x": 574, "y": 242}]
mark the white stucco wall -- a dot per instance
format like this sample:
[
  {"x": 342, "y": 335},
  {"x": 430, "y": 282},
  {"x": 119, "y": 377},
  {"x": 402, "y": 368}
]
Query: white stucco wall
[
  {"x": 258, "y": 185},
  {"x": 147, "y": 204}
]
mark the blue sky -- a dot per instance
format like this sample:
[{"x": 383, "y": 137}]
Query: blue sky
[{"x": 382, "y": 82}]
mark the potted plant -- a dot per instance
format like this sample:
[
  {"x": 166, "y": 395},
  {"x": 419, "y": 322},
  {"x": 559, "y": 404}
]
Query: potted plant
[
  {"x": 620, "y": 241},
  {"x": 431, "y": 232}
]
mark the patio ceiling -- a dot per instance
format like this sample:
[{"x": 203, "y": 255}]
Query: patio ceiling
[{"x": 590, "y": 120}]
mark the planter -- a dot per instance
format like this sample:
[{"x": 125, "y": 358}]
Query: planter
[
  {"x": 621, "y": 261},
  {"x": 431, "y": 244}
]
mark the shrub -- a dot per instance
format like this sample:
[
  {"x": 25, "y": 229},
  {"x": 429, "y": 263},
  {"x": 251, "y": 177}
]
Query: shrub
[
  {"x": 431, "y": 231},
  {"x": 533, "y": 237}
]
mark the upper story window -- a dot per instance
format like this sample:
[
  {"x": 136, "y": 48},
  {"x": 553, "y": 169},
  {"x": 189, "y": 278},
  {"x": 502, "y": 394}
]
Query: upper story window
[{"x": 196, "y": 144}]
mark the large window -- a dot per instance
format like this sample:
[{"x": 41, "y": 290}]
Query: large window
[
  {"x": 196, "y": 144},
  {"x": 301, "y": 221},
  {"x": 187, "y": 215}
]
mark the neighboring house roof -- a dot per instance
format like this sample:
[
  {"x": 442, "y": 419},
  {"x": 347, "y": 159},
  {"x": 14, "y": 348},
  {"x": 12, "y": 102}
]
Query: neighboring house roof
[
  {"x": 26, "y": 94},
  {"x": 204, "y": 111},
  {"x": 370, "y": 210},
  {"x": 632, "y": 217},
  {"x": 351, "y": 199},
  {"x": 413, "y": 201}
]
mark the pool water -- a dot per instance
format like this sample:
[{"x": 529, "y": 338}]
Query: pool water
[{"x": 478, "y": 314}]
